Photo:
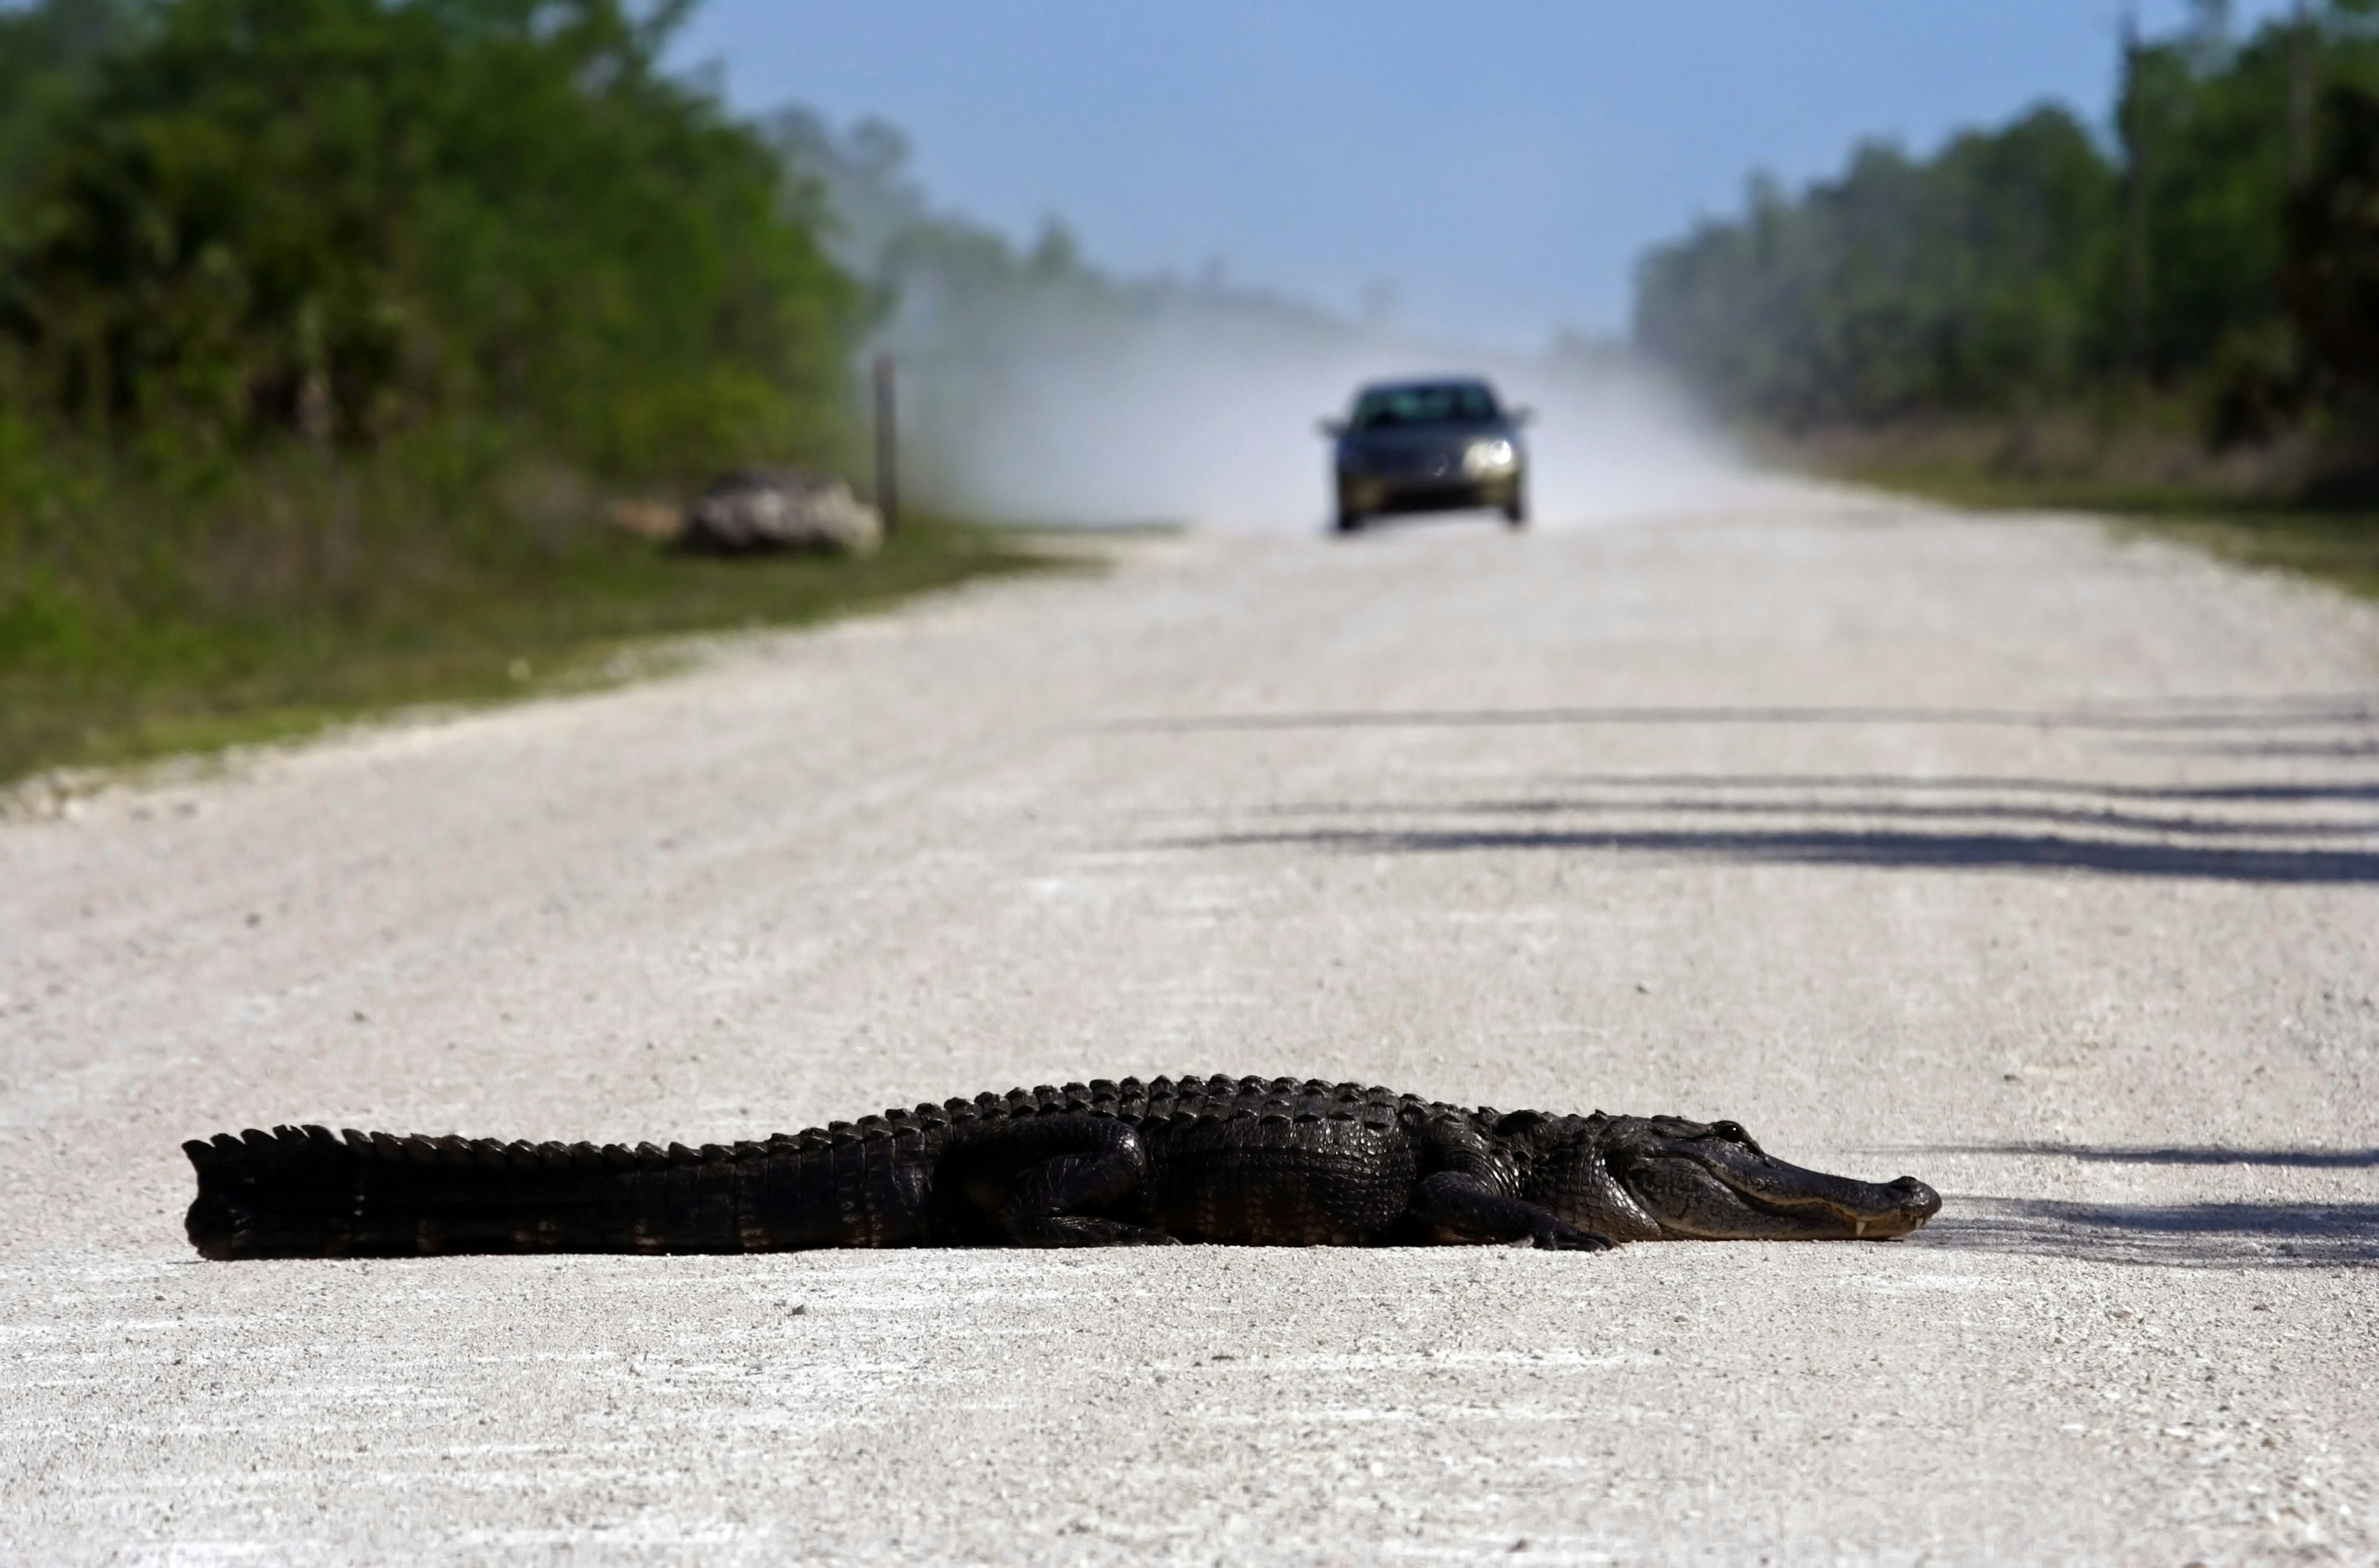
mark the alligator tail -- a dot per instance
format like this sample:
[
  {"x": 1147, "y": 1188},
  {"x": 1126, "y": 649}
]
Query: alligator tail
[{"x": 305, "y": 1192}]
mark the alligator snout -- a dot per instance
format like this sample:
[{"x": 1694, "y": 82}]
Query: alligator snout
[
  {"x": 1913, "y": 1203},
  {"x": 1918, "y": 1201}
]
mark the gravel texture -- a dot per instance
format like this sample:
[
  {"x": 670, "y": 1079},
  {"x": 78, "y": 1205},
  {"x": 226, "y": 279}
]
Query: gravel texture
[{"x": 2042, "y": 867}]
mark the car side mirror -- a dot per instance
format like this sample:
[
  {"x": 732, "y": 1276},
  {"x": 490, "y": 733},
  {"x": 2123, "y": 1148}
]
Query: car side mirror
[
  {"x": 1334, "y": 428},
  {"x": 1524, "y": 414}
]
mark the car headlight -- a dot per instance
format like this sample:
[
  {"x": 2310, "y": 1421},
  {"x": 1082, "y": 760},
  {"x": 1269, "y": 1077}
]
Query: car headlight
[{"x": 1482, "y": 458}]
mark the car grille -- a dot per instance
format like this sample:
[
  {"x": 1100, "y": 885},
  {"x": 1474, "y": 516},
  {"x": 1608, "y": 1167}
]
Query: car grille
[{"x": 1407, "y": 463}]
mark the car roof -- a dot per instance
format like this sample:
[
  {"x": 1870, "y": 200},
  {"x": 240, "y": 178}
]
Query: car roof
[{"x": 1420, "y": 383}]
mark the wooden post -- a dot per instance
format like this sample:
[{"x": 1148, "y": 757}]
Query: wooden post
[{"x": 887, "y": 446}]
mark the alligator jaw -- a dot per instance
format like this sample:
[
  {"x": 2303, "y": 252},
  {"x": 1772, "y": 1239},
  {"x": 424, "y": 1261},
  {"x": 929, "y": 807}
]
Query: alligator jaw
[{"x": 1721, "y": 1187}]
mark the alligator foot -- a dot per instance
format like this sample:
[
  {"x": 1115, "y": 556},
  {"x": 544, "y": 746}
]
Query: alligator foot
[
  {"x": 1562, "y": 1236},
  {"x": 1036, "y": 1175},
  {"x": 1463, "y": 1208},
  {"x": 1082, "y": 1230}
]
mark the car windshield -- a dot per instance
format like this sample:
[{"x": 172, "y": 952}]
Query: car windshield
[{"x": 1445, "y": 402}]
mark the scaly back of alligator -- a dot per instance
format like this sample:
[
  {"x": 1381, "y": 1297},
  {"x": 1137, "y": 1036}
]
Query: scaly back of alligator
[{"x": 307, "y": 1192}]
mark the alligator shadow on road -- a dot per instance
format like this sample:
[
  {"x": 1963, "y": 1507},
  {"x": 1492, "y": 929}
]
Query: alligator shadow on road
[
  {"x": 1819, "y": 785},
  {"x": 1886, "y": 849},
  {"x": 2205, "y": 1234},
  {"x": 2175, "y": 717},
  {"x": 2162, "y": 1154},
  {"x": 1871, "y": 814},
  {"x": 2278, "y": 751},
  {"x": 2251, "y": 829}
]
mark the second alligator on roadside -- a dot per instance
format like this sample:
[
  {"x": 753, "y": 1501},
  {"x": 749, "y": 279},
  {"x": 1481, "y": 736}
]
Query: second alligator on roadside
[{"x": 1248, "y": 1161}]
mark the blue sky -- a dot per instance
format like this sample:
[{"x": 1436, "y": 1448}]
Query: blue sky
[{"x": 1498, "y": 164}]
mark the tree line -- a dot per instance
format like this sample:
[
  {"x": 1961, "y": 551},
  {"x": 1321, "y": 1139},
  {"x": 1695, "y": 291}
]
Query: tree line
[
  {"x": 2215, "y": 244},
  {"x": 348, "y": 311},
  {"x": 227, "y": 222}
]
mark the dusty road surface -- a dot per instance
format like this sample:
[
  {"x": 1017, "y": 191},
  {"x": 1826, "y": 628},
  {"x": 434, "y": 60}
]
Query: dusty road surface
[{"x": 2041, "y": 867}]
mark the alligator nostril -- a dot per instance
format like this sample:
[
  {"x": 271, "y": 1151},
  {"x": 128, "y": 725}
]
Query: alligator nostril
[{"x": 1917, "y": 1198}]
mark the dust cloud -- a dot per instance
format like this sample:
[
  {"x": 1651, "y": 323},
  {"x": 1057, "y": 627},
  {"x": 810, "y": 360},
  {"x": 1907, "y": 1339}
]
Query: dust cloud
[
  {"x": 1038, "y": 388},
  {"x": 1213, "y": 422}
]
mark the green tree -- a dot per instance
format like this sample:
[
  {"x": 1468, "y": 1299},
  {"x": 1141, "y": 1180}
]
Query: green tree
[
  {"x": 344, "y": 218},
  {"x": 1968, "y": 280},
  {"x": 2022, "y": 267},
  {"x": 2330, "y": 279}
]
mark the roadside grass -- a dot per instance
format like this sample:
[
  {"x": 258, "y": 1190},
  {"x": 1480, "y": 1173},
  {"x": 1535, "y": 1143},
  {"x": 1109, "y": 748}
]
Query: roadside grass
[
  {"x": 2338, "y": 545},
  {"x": 579, "y": 617}
]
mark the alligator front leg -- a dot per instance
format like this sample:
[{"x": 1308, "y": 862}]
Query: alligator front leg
[
  {"x": 1466, "y": 1208},
  {"x": 1036, "y": 1172}
]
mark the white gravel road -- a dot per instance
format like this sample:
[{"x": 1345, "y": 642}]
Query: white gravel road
[{"x": 2041, "y": 867}]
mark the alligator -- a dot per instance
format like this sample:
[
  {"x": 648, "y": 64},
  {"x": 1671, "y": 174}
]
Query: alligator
[{"x": 1245, "y": 1161}]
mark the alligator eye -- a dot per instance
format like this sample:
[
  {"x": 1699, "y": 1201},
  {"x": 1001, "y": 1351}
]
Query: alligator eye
[{"x": 1733, "y": 1133}]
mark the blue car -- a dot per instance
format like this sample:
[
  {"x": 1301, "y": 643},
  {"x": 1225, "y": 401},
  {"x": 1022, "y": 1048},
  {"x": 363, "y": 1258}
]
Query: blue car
[{"x": 1428, "y": 446}]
